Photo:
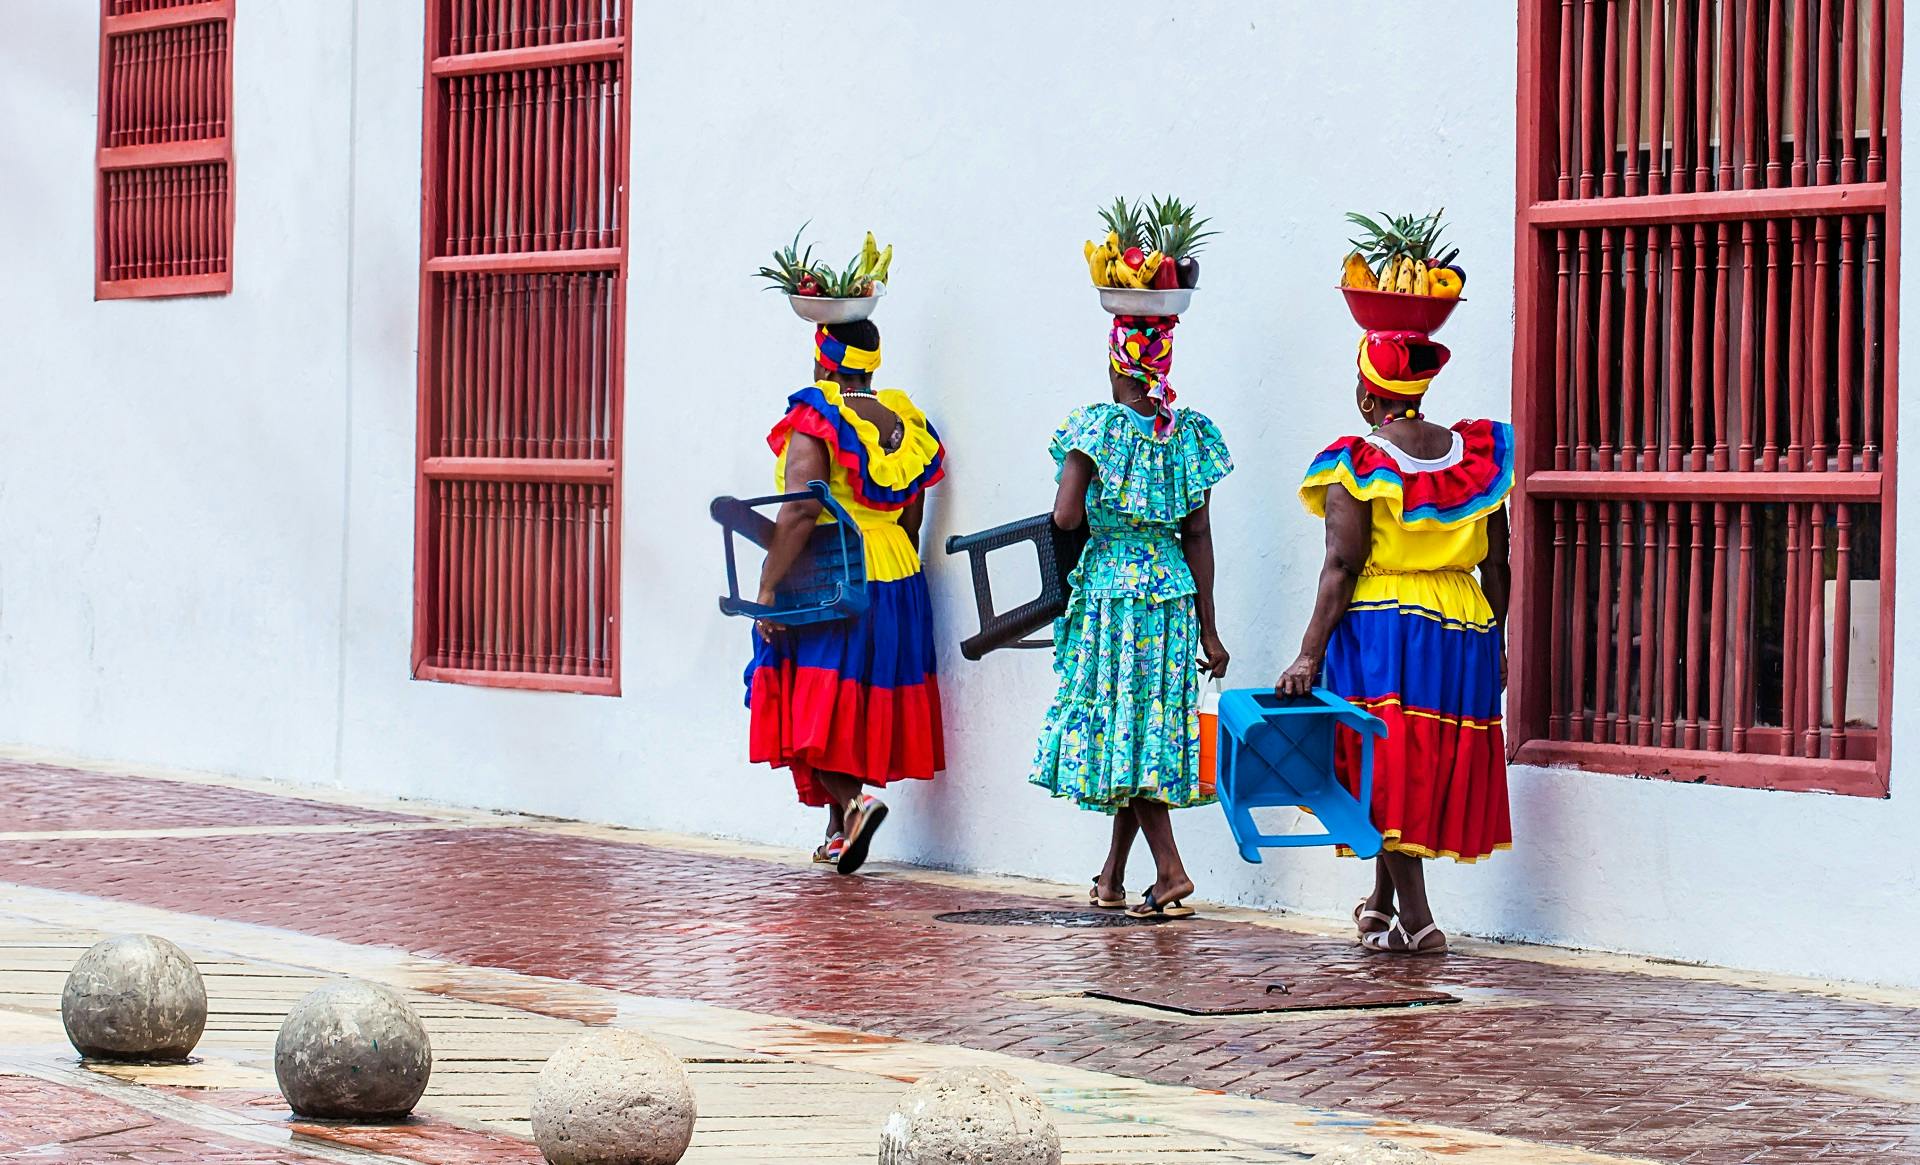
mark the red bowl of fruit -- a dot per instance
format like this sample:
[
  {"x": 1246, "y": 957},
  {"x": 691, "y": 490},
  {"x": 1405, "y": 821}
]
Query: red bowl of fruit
[{"x": 1396, "y": 311}]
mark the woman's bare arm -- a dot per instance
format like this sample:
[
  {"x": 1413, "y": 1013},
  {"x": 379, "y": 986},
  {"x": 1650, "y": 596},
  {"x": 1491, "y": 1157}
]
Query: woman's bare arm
[
  {"x": 1196, "y": 543},
  {"x": 1496, "y": 577},
  {"x": 806, "y": 461},
  {"x": 1070, "y": 500},
  {"x": 1349, "y": 539},
  {"x": 910, "y": 518}
]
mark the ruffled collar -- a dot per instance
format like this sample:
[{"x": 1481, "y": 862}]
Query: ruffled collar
[
  {"x": 879, "y": 477},
  {"x": 1463, "y": 491}
]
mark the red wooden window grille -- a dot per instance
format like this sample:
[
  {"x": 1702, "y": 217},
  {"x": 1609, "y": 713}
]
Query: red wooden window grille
[
  {"x": 163, "y": 200},
  {"x": 1704, "y": 388},
  {"x": 522, "y": 302}
]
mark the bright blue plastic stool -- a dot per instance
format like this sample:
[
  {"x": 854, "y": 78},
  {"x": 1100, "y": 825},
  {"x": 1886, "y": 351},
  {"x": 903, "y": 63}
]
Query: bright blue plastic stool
[
  {"x": 828, "y": 580},
  {"x": 1278, "y": 751}
]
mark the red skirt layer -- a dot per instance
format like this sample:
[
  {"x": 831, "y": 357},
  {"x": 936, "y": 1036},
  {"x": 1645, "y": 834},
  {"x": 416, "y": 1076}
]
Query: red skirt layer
[
  {"x": 812, "y": 720},
  {"x": 1439, "y": 788}
]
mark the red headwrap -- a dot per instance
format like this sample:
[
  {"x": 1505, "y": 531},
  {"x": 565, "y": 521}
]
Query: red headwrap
[
  {"x": 1400, "y": 365},
  {"x": 1142, "y": 347}
]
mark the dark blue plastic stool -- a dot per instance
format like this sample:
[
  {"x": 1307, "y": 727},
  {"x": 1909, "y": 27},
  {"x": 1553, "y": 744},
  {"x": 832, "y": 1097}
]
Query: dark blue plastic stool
[
  {"x": 1278, "y": 751},
  {"x": 828, "y": 580}
]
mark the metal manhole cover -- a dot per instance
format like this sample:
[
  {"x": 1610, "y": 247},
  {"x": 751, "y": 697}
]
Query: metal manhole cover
[
  {"x": 1253, "y": 997},
  {"x": 1071, "y": 919}
]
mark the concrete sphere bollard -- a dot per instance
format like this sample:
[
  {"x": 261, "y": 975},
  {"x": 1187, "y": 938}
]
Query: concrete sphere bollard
[
  {"x": 613, "y": 1097},
  {"x": 969, "y": 1116},
  {"x": 134, "y": 997},
  {"x": 352, "y": 1050}
]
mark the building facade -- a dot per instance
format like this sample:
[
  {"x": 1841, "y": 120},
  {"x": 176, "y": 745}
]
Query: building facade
[{"x": 224, "y": 498}]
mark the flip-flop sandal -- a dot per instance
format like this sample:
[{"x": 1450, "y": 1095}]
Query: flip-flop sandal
[
  {"x": 1152, "y": 909},
  {"x": 830, "y": 850},
  {"x": 1094, "y": 899},
  {"x": 1361, "y": 914},
  {"x": 1385, "y": 942},
  {"x": 863, "y": 820}
]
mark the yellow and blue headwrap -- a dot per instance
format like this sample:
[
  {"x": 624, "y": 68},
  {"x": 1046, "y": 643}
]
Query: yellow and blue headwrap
[{"x": 838, "y": 356}]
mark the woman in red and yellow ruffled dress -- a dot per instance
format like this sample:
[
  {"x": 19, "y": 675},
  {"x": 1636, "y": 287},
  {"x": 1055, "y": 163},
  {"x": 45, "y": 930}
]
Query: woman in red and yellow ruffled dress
[
  {"x": 1401, "y": 628},
  {"x": 853, "y": 703}
]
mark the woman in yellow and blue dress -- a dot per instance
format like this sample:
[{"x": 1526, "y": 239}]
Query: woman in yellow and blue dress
[
  {"x": 853, "y": 703},
  {"x": 1401, "y": 628},
  {"x": 1123, "y": 734}
]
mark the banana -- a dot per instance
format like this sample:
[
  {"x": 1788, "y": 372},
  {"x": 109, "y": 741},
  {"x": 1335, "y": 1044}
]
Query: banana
[
  {"x": 1097, "y": 264},
  {"x": 1150, "y": 268},
  {"x": 870, "y": 256},
  {"x": 1403, "y": 279},
  {"x": 1420, "y": 278},
  {"x": 885, "y": 265}
]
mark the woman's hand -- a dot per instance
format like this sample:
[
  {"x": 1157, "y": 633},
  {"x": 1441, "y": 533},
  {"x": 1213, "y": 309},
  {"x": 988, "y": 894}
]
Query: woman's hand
[
  {"x": 1299, "y": 678},
  {"x": 1213, "y": 655}
]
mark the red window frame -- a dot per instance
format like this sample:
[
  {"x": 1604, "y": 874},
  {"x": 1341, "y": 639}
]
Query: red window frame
[
  {"x": 163, "y": 162},
  {"x": 1568, "y": 188},
  {"x": 523, "y": 262}
]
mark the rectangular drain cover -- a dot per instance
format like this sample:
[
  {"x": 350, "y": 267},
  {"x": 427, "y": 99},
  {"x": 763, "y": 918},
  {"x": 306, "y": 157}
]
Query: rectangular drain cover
[{"x": 1255, "y": 996}]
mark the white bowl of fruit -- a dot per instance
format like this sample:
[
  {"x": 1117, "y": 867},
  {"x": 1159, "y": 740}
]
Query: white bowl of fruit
[
  {"x": 822, "y": 294},
  {"x": 1147, "y": 265}
]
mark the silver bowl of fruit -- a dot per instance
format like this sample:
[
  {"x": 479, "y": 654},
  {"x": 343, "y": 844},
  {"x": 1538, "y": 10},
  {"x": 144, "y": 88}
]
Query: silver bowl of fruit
[
  {"x": 819, "y": 309},
  {"x": 1134, "y": 301}
]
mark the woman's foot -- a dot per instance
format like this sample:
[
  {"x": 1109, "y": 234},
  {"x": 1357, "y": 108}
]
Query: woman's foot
[
  {"x": 864, "y": 815},
  {"x": 1395, "y": 940},
  {"x": 1166, "y": 900},
  {"x": 830, "y": 850},
  {"x": 1107, "y": 896},
  {"x": 1371, "y": 917}
]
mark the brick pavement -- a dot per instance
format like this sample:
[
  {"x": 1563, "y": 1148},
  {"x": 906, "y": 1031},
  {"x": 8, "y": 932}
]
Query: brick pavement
[
  {"x": 47, "y": 797},
  {"x": 1663, "y": 1068},
  {"x": 46, "y": 1122}
]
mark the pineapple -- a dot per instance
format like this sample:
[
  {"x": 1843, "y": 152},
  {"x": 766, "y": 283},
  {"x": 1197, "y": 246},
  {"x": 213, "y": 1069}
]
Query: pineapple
[
  {"x": 1131, "y": 222},
  {"x": 793, "y": 272},
  {"x": 1174, "y": 229},
  {"x": 1384, "y": 244}
]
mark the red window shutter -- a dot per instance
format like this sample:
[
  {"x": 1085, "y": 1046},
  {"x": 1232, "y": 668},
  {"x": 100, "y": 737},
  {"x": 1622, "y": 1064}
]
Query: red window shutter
[
  {"x": 522, "y": 344},
  {"x": 164, "y": 184},
  {"x": 1704, "y": 389}
]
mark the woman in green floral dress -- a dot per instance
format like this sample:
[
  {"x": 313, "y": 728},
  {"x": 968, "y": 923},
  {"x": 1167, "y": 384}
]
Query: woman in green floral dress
[{"x": 1123, "y": 734}]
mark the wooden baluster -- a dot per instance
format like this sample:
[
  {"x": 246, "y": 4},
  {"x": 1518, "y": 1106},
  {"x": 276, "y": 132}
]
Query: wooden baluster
[
  {"x": 1870, "y": 386},
  {"x": 1749, "y": 348},
  {"x": 1657, "y": 94},
  {"x": 1631, "y": 83},
  {"x": 1559, "y": 609},
  {"x": 1699, "y": 651},
  {"x": 1842, "y": 623},
  {"x": 1610, "y": 102},
  {"x": 1849, "y": 91},
  {"x": 1564, "y": 185},
  {"x": 1630, "y": 351},
  {"x": 1722, "y": 354},
  {"x": 1742, "y": 639},
  {"x": 1603, "y": 371},
  {"x": 1590, "y": 90},
  {"x": 1563, "y": 355},
  {"x": 1717, "y": 634},
  {"x": 1844, "y": 371},
  {"x": 1649, "y": 647},
  {"x": 1699, "y": 383},
  {"x": 1775, "y": 347},
  {"x": 1679, "y": 178},
  {"x": 1816, "y": 629},
  {"x": 1580, "y": 612},
  {"x": 1876, "y": 87},
  {"x": 1604, "y": 593},
  {"x": 1672, "y": 647},
  {"x": 1797, "y": 353},
  {"x": 1776, "y": 92},
  {"x": 1729, "y": 103},
  {"x": 1623, "y": 637},
  {"x": 1676, "y": 371},
  {"x": 1583, "y": 355},
  {"x": 1650, "y": 356},
  {"x": 1802, "y": 93},
  {"x": 1817, "y": 379},
  {"x": 1703, "y": 96},
  {"x": 1792, "y": 670}
]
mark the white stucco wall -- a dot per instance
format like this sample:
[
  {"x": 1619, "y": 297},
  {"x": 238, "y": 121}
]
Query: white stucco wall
[{"x": 207, "y": 505}]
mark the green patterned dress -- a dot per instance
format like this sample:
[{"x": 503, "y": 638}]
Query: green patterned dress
[{"x": 1125, "y": 721}]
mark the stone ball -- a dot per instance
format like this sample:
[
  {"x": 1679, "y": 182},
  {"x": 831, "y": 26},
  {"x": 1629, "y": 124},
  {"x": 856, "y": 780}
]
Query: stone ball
[
  {"x": 1376, "y": 1152},
  {"x": 134, "y": 997},
  {"x": 969, "y": 1116},
  {"x": 352, "y": 1050},
  {"x": 613, "y": 1097}
]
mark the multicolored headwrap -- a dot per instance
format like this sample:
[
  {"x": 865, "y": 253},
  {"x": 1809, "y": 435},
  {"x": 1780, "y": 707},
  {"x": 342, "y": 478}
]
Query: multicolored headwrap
[
  {"x": 1400, "y": 365},
  {"x": 1142, "y": 347},
  {"x": 837, "y": 356}
]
